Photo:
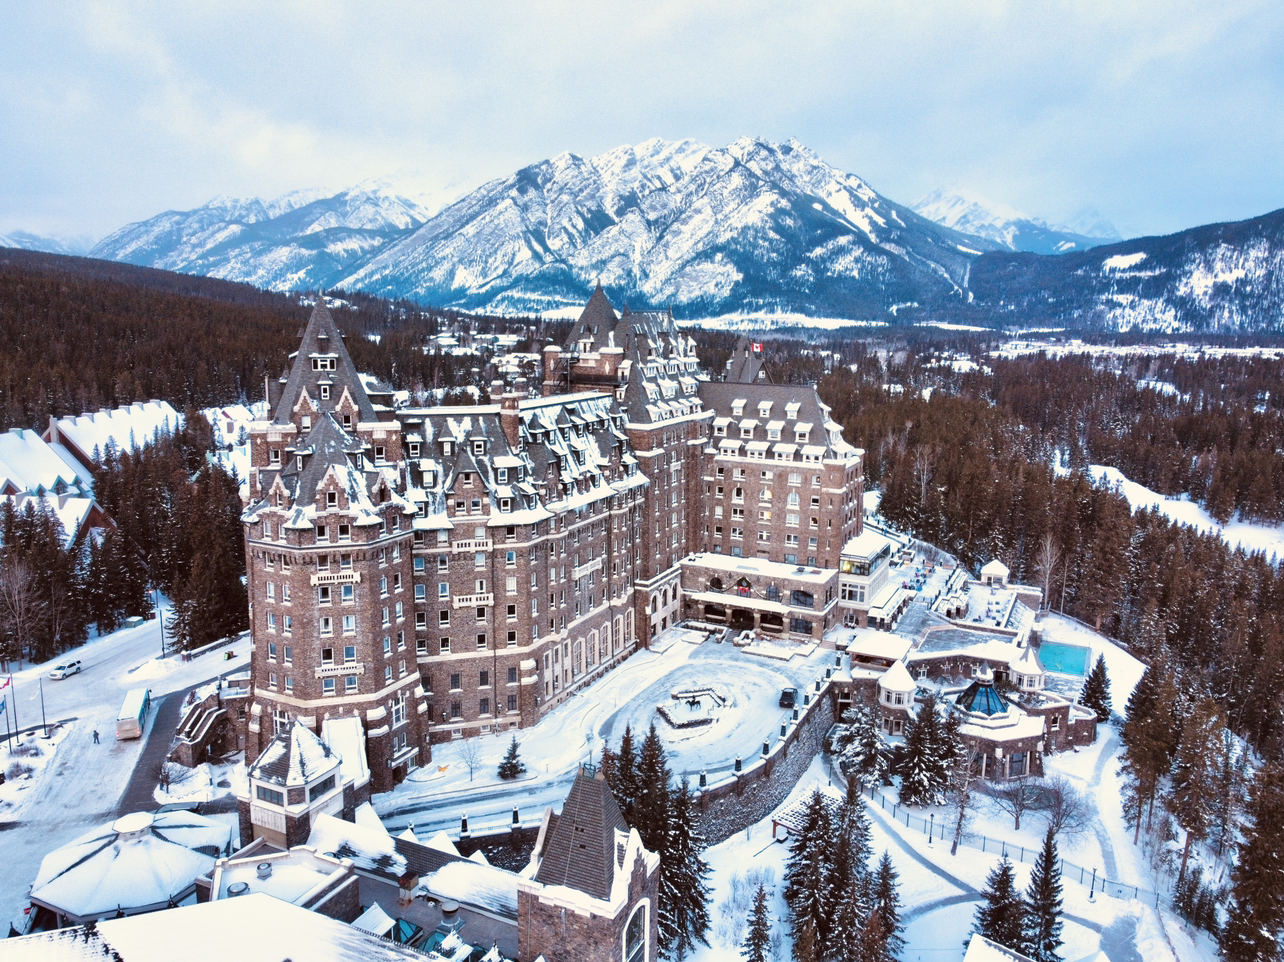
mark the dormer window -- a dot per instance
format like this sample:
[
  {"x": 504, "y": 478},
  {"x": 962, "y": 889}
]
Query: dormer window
[
  {"x": 307, "y": 422},
  {"x": 737, "y": 408},
  {"x": 466, "y": 479},
  {"x": 298, "y": 462},
  {"x": 331, "y": 499},
  {"x": 347, "y": 420},
  {"x": 764, "y": 409},
  {"x": 414, "y": 449},
  {"x": 501, "y": 475},
  {"x": 325, "y": 392},
  {"x": 447, "y": 447},
  {"x": 479, "y": 447}
]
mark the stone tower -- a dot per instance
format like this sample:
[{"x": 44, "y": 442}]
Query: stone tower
[{"x": 328, "y": 557}]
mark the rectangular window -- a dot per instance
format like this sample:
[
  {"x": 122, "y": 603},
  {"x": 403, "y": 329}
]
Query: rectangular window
[
  {"x": 327, "y": 686},
  {"x": 349, "y": 624},
  {"x": 349, "y": 654},
  {"x": 484, "y": 706},
  {"x": 327, "y": 626},
  {"x": 269, "y": 795},
  {"x": 481, "y": 642},
  {"x": 455, "y": 681},
  {"x": 445, "y": 646},
  {"x": 350, "y": 683},
  {"x": 483, "y": 680}
]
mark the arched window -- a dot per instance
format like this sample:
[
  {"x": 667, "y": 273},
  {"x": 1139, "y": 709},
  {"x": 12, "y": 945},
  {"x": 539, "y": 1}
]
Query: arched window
[{"x": 635, "y": 936}]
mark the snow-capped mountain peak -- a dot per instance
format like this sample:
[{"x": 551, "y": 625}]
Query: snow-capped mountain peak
[{"x": 964, "y": 210}]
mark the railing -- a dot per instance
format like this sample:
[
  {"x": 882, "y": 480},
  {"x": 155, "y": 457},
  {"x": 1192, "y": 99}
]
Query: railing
[
  {"x": 475, "y": 544},
  {"x": 337, "y": 578},
  {"x": 474, "y": 601},
  {"x": 1090, "y": 878}
]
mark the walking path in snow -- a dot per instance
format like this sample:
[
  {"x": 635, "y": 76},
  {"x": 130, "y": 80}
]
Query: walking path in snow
[{"x": 1109, "y": 748}]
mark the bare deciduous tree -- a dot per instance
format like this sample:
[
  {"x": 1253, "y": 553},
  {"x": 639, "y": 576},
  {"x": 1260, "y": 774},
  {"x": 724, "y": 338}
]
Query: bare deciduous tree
[
  {"x": 470, "y": 755},
  {"x": 962, "y": 781},
  {"x": 1046, "y": 560},
  {"x": 1016, "y": 797},
  {"x": 1065, "y": 808},
  {"x": 21, "y": 609}
]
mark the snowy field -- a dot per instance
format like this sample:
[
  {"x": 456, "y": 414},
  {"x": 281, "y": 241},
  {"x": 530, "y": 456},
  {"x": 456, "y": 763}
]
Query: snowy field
[{"x": 1266, "y": 538}]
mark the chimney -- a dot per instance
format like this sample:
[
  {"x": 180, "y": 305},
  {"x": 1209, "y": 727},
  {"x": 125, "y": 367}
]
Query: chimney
[
  {"x": 509, "y": 419},
  {"x": 552, "y": 369}
]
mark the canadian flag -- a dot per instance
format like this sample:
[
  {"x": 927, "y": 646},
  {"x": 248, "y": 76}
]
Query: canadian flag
[
  {"x": 4, "y": 683},
  {"x": 757, "y": 348}
]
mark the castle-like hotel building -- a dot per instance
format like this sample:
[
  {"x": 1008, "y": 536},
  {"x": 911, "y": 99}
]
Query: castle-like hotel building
[{"x": 449, "y": 571}]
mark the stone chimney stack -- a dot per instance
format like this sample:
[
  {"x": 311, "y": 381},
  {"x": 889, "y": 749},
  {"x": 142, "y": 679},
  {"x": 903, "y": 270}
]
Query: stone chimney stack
[
  {"x": 552, "y": 370},
  {"x": 509, "y": 418}
]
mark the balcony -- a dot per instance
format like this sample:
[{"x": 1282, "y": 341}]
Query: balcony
[
  {"x": 474, "y": 601},
  {"x": 330, "y": 671},
  {"x": 476, "y": 544},
  {"x": 337, "y": 578}
]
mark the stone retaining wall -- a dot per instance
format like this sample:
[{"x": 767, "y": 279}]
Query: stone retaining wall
[{"x": 725, "y": 809}]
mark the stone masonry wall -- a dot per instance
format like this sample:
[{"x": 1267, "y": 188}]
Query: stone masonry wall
[{"x": 725, "y": 809}]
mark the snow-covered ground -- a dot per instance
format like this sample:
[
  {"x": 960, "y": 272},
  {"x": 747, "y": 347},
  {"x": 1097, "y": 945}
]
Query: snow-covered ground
[
  {"x": 438, "y": 795},
  {"x": 80, "y": 783},
  {"x": 1251, "y": 536}
]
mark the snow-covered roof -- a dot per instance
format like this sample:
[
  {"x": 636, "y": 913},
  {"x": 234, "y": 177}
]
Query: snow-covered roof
[
  {"x": 252, "y": 928},
  {"x": 29, "y": 463},
  {"x": 347, "y": 740},
  {"x": 981, "y": 949},
  {"x": 125, "y": 428},
  {"x": 481, "y": 886},
  {"x": 71, "y": 512},
  {"x": 294, "y": 758},
  {"x": 374, "y": 920},
  {"x": 866, "y": 544},
  {"x": 137, "y": 862},
  {"x": 995, "y": 568},
  {"x": 897, "y": 678},
  {"x": 370, "y": 849}
]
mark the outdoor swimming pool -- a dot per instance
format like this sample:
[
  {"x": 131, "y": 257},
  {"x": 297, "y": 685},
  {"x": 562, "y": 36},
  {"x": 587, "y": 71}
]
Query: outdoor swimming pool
[{"x": 1065, "y": 659}]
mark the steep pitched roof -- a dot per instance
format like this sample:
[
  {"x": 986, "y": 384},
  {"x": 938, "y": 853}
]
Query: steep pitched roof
[
  {"x": 294, "y": 757},
  {"x": 327, "y": 445},
  {"x": 581, "y": 849},
  {"x": 321, "y": 339},
  {"x": 595, "y": 322},
  {"x": 746, "y": 365}
]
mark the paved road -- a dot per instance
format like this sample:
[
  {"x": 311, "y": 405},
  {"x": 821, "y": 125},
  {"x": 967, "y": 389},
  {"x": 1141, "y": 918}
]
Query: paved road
[{"x": 138, "y": 797}]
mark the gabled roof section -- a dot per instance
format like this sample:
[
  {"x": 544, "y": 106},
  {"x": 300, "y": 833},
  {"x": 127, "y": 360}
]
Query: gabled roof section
[
  {"x": 322, "y": 340},
  {"x": 294, "y": 758},
  {"x": 581, "y": 849},
  {"x": 326, "y": 446},
  {"x": 746, "y": 365},
  {"x": 596, "y": 322}
]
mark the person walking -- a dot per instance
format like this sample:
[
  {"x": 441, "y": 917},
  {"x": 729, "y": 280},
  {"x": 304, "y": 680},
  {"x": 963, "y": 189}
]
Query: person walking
[{"x": 95, "y": 736}]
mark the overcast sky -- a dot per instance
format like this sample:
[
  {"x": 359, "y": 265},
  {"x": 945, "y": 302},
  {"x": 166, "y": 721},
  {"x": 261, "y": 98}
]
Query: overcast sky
[{"x": 1160, "y": 115}]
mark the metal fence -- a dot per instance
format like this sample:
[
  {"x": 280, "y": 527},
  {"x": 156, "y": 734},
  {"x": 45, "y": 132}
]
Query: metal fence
[{"x": 1090, "y": 878}]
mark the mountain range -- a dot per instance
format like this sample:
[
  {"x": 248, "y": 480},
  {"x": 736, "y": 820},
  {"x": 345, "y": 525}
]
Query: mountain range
[{"x": 751, "y": 228}]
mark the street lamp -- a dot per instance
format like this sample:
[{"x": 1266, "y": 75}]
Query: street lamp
[{"x": 160, "y": 618}]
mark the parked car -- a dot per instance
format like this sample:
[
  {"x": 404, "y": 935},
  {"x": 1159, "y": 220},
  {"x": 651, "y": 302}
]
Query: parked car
[
  {"x": 62, "y": 671},
  {"x": 788, "y": 697}
]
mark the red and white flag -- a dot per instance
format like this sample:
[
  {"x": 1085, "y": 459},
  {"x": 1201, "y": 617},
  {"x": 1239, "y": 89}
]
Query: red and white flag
[{"x": 757, "y": 348}]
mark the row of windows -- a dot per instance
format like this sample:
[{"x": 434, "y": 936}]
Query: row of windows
[{"x": 456, "y": 709}]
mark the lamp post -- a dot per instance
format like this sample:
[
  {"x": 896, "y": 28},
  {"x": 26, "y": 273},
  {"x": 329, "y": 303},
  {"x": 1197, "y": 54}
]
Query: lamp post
[{"x": 160, "y": 618}]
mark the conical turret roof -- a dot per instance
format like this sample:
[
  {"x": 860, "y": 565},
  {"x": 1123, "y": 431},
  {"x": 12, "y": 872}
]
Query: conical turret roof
[{"x": 322, "y": 359}]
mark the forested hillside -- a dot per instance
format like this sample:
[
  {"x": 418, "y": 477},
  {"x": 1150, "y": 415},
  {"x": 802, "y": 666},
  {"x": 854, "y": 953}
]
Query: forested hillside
[{"x": 82, "y": 334}]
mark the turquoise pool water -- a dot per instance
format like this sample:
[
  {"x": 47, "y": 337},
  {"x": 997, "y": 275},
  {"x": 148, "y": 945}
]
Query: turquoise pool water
[{"x": 1065, "y": 659}]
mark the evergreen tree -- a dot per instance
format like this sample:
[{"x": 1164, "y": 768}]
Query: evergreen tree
[
  {"x": 1002, "y": 916},
  {"x": 1150, "y": 735},
  {"x": 757, "y": 944},
  {"x": 652, "y": 810},
  {"x": 684, "y": 895},
  {"x": 1044, "y": 899},
  {"x": 807, "y": 887},
  {"x": 1192, "y": 796},
  {"x": 928, "y": 753},
  {"x": 887, "y": 907},
  {"x": 625, "y": 785},
  {"x": 848, "y": 937},
  {"x": 1096, "y": 690},
  {"x": 1254, "y": 929},
  {"x": 859, "y": 747},
  {"x": 511, "y": 766}
]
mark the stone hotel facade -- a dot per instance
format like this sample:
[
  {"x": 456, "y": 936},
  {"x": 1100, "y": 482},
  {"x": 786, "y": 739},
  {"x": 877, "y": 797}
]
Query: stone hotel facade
[{"x": 450, "y": 571}]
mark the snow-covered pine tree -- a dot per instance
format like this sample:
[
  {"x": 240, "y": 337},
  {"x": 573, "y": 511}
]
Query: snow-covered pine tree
[
  {"x": 887, "y": 907},
  {"x": 1192, "y": 794},
  {"x": 652, "y": 808},
  {"x": 1002, "y": 915},
  {"x": 928, "y": 752},
  {"x": 757, "y": 944},
  {"x": 684, "y": 895},
  {"x": 1150, "y": 733},
  {"x": 859, "y": 747},
  {"x": 846, "y": 940},
  {"x": 1096, "y": 690},
  {"x": 1044, "y": 901},
  {"x": 511, "y": 766},
  {"x": 1254, "y": 930},
  {"x": 807, "y": 872},
  {"x": 622, "y": 776}
]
